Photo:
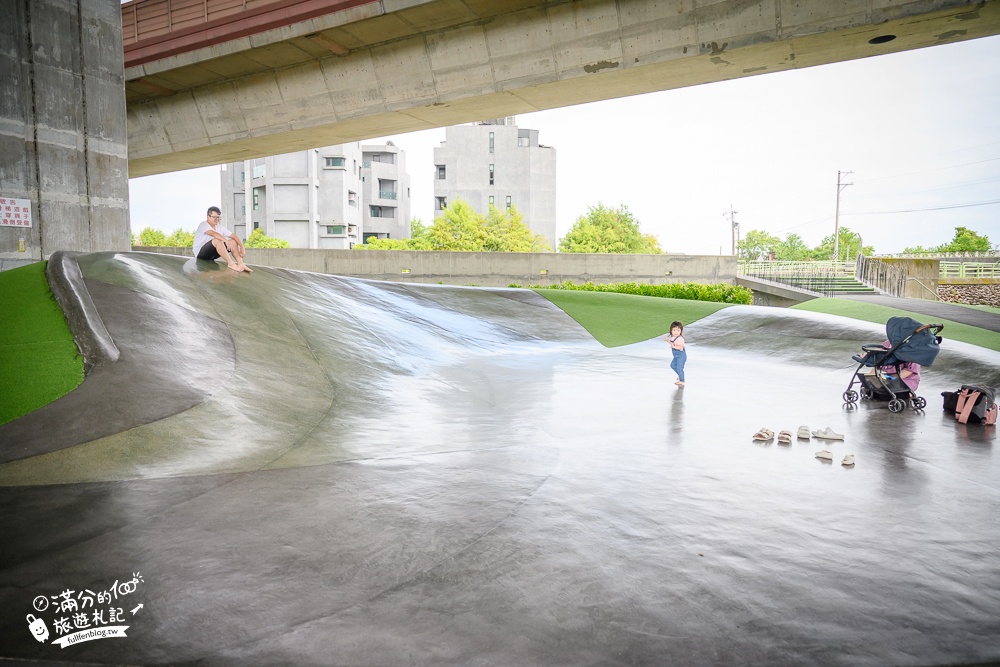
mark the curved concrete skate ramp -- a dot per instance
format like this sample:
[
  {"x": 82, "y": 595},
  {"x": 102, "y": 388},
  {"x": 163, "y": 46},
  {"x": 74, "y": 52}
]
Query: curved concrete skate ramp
[{"x": 325, "y": 471}]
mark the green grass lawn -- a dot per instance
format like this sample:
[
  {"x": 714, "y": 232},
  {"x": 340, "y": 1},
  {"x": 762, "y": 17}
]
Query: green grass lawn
[
  {"x": 39, "y": 361},
  {"x": 622, "y": 319},
  {"x": 880, "y": 314}
]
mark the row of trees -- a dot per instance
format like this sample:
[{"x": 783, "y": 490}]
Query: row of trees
[
  {"x": 460, "y": 227},
  {"x": 601, "y": 230},
  {"x": 965, "y": 240},
  {"x": 183, "y": 239},
  {"x": 761, "y": 245}
]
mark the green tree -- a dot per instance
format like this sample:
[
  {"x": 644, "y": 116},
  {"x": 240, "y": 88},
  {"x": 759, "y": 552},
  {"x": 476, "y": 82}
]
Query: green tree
[
  {"x": 757, "y": 244},
  {"x": 418, "y": 230},
  {"x": 394, "y": 244},
  {"x": 792, "y": 249},
  {"x": 180, "y": 239},
  {"x": 153, "y": 237},
  {"x": 966, "y": 240},
  {"x": 506, "y": 232},
  {"x": 608, "y": 230},
  {"x": 458, "y": 227},
  {"x": 258, "y": 239},
  {"x": 848, "y": 247}
]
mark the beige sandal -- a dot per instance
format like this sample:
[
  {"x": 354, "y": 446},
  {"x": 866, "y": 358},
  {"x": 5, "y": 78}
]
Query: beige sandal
[
  {"x": 763, "y": 434},
  {"x": 785, "y": 438}
]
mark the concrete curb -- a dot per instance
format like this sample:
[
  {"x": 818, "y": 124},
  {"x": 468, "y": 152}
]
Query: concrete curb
[{"x": 92, "y": 338}]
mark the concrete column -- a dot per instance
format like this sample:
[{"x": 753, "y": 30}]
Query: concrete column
[{"x": 63, "y": 134}]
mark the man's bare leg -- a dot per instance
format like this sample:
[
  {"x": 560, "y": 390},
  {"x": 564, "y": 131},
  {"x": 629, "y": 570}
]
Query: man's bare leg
[
  {"x": 238, "y": 256},
  {"x": 223, "y": 250}
]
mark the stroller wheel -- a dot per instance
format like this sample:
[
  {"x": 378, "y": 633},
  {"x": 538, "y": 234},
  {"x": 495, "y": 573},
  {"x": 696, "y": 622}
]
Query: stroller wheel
[
  {"x": 850, "y": 396},
  {"x": 896, "y": 405},
  {"x": 866, "y": 393},
  {"x": 918, "y": 403}
]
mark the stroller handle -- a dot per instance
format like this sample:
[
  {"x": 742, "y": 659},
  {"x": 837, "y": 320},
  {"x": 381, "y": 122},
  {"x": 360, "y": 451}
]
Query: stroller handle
[{"x": 936, "y": 327}]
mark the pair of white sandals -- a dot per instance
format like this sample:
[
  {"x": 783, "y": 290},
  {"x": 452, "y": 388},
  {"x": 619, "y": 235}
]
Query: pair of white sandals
[{"x": 826, "y": 434}]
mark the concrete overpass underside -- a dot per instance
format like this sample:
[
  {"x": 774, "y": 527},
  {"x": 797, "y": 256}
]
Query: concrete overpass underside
[{"x": 378, "y": 68}]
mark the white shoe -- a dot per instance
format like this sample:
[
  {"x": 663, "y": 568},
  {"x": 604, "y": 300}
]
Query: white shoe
[
  {"x": 824, "y": 454},
  {"x": 827, "y": 434},
  {"x": 848, "y": 460},
  {"x": 803, "y": 433}
]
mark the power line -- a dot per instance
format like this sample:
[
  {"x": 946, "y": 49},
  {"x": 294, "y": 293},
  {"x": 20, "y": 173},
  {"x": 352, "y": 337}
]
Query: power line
[{"x": 932, "y": 208}]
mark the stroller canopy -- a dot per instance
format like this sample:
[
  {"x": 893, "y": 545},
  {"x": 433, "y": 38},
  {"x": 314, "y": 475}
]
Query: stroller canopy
[{"x": 922, "y": 347}]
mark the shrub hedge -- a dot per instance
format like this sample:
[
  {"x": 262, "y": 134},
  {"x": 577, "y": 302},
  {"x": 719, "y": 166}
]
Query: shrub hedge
[{"x": 718, "y": 292}]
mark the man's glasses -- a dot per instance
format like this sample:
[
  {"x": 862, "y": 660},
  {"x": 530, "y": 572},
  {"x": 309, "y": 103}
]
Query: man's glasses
[{"x": 214, "y": 217}]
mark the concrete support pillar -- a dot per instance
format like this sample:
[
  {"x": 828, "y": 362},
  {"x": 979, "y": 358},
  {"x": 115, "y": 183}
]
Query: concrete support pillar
[{"x": 63, "y": 134}]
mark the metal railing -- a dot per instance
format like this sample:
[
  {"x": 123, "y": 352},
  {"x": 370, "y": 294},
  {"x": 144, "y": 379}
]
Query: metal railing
[
  {"x": 386, "y": 194},
  {"x": 825, "y": 277},
  {"x": 970, "y": 270},
  {"x": 767, "y": 269}
]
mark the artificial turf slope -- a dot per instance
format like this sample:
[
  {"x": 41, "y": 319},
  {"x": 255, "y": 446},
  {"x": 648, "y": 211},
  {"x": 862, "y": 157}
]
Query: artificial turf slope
[
  {"x": 39, "y": 361},
  {"x": 623, "y": 319},
  {"x": 869, "y": 312}
]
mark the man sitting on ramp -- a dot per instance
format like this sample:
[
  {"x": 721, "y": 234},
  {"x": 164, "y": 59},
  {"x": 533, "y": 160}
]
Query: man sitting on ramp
[{"x": 212, "y": 240}]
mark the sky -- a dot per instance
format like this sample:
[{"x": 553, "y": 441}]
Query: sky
[{"x": 919, "y": 131}]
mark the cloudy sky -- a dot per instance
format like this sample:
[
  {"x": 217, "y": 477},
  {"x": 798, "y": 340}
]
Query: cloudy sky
[{"x": 919, "y": 130}]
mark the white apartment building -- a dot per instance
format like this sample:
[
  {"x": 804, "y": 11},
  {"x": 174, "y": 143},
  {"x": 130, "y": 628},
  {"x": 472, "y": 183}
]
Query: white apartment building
[
  {"x": 495, "y": 162},
  {"x": 330, "y": 197}
]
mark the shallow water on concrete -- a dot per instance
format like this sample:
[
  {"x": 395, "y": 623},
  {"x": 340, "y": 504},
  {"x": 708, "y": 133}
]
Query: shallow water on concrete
[{"x": 403, "y": 474}]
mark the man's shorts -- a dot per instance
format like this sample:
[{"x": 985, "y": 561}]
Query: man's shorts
[{"x": 208, "y": 251}]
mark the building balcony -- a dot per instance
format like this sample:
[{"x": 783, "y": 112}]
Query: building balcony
[{"x": 386, "y": 194}]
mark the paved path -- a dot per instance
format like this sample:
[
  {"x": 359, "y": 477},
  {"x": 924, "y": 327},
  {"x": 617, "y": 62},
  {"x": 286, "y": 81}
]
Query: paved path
[{"x": 940, "y": 309}]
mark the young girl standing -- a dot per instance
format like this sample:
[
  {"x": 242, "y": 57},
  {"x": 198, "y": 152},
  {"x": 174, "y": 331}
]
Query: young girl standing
[{"x": 676, "y": 340}]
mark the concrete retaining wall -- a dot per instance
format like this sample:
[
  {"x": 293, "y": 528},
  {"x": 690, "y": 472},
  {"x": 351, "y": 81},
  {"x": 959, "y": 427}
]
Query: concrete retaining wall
[
  {"x": 492, "y": 269},
  {"x": 921, "y": 276}
]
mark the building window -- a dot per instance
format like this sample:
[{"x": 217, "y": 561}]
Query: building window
[
  {"x": 259, "y": 170},
  {"x": 491, "y": 143},
  {"x": 491, "y": 174},
  {"x": 491, "y": 200},
  {"x": 441, "y": 172},
  {"x": 256, "y": 225},
  {"x": 376, "y": 211},
  {"x": 508, "y": 201},
  {"x": 335, "y": 230},
  {"x": 352, "y": 198},
  {"x": 333, "y": 162},
  {"x": 243, "y": 177},
  {"x": 442, "y": 203},
  {"x": 244, "y": 207},
  {"x": 256, "y": 199}
]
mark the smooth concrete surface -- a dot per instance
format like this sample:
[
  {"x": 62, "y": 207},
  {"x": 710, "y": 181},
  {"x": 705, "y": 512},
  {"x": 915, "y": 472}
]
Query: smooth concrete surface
[
  {"x": 390, "y": 474},
  {"x": 394, "y": 67}
]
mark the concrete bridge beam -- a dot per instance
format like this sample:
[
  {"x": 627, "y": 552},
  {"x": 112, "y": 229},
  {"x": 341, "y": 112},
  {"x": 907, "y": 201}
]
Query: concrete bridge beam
[{"x": 405, "y": 72}]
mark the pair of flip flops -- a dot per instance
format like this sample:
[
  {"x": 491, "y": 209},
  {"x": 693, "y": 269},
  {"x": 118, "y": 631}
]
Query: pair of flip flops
[
  {"x": 827, "y": 455},
  {"x": 827, "y": 434},
  {"x": 763, "y": 434}
]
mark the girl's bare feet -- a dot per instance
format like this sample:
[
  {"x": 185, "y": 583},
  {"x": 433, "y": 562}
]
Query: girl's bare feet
[{"x": 235, "y": 267}]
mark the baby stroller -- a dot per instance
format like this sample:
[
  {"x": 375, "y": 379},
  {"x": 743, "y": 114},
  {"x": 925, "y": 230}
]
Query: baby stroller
[{"x": 909, "y": 340}]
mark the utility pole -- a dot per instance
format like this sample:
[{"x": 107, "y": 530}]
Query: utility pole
[
  {"x": 836, "y": 217},
  {"x": 735, "y": 227}
]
